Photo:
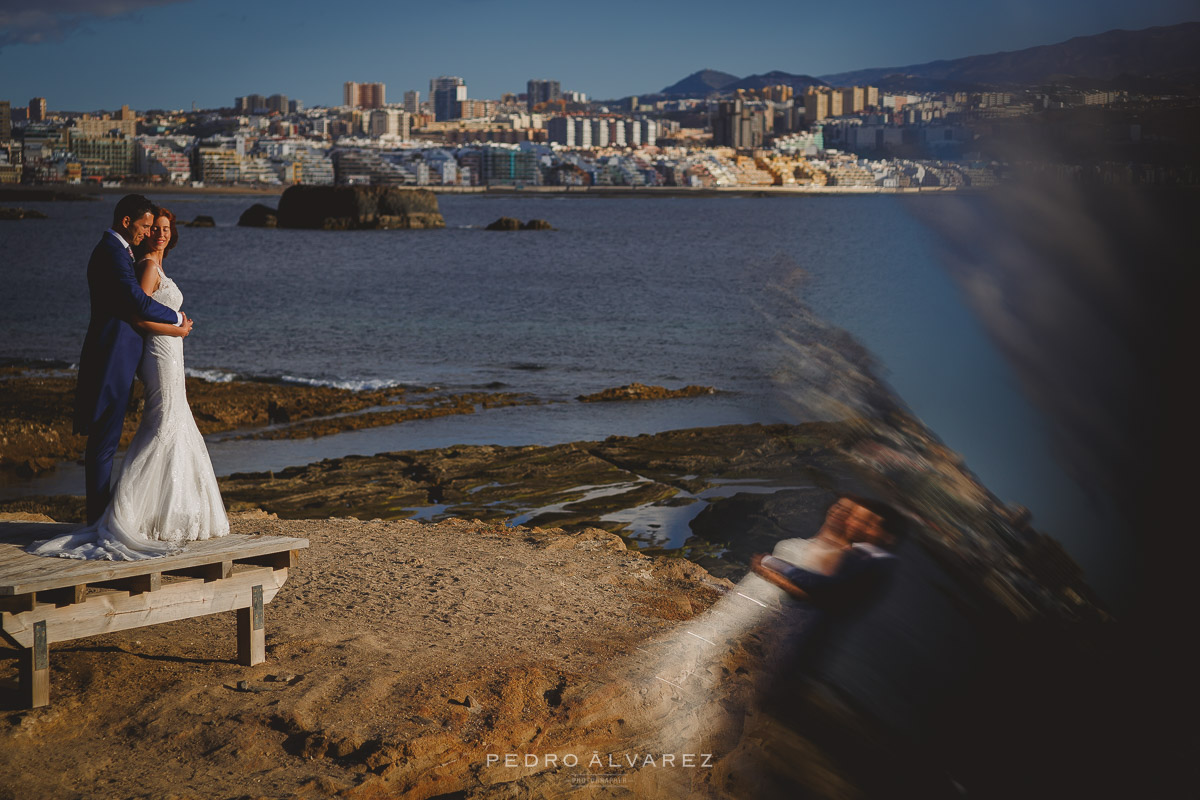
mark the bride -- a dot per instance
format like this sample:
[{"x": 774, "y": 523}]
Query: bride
[{"x": 166, "y": 493}]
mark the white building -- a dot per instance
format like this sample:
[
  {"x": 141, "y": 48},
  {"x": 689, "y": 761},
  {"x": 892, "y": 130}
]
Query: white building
[
  {"x": 162, "y": 157},
  {"x": 388, "y": 122},
  {"x": 570, "y": 131}
]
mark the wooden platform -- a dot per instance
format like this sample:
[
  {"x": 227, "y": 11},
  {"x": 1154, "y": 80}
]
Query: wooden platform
[{"x": 44, "y": 600}]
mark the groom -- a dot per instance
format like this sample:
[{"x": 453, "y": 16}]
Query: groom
[{"x": 113, "y": 348}]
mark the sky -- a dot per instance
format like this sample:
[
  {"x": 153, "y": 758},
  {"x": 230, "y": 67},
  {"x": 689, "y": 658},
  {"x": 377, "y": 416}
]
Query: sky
[{"x": 84, "y": 55}]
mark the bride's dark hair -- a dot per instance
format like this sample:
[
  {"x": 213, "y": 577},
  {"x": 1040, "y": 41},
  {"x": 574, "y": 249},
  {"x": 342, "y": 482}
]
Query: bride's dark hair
[{"x": 159, "y": 211}]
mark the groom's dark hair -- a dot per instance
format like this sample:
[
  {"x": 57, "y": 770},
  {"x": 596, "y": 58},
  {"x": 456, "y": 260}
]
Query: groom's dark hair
[
  {"x": 133, "y": 206},
  {"x": 894, "y": 522}
]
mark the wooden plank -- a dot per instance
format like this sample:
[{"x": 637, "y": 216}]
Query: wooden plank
[
  {"x": 34, "y": 669},
  {"x": 65, "y": 596},
  {"x": 21, "y": 572},
  {"x": 209, "y": 572},
  {"x": 117, "y": 611},
  {"x": 251, "y": 630},
  {"x": 15, "y": 605},
  {"x": 134, "y": 584},
  {"x": 282, "y": 560}
]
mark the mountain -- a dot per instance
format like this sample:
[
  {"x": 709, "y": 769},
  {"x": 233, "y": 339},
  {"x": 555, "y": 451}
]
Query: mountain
[
  {"x": 701, "y": 84},
  {"x": 775, "y": 78},
  {"x": 1162, "y": 55}
]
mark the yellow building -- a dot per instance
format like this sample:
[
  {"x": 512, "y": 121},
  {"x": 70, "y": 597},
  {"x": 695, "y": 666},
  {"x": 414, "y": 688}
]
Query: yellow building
[
  {"x": 853, "y": 99},
  {"x": 816, "y": 105},
  {"x": 123, "y": 124}
]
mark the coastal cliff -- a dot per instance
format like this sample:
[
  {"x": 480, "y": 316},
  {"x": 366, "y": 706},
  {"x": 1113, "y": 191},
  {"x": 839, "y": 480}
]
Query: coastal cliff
[{"x": 358, "y": 207}]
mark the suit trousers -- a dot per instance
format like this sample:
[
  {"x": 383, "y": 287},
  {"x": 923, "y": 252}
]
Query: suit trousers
[{"x": 104, "y": 437}]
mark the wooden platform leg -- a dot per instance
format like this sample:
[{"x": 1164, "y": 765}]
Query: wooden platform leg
[
  {"x": 251, "y": 634},
  {"x": 35, "y": 669}
]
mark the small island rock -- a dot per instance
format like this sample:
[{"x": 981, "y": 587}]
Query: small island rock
[
  {"x": 343, "y": 208},
  {"x": 505, "y": 224},
  {"x": 259, "y": 216},
  {"x": 202, "y": 221},
  {"x": 537, "y": 225},
  {"x": 640, "y": 391}
]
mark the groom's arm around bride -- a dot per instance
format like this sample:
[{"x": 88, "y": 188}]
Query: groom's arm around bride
[{"x": 112, "y": 347}]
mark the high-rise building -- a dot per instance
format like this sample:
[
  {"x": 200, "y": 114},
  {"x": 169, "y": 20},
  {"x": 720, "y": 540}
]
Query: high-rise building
[
  {"x": 816, "y": 105},
  {"x": 37, "y": 109},
  {"x": 412, "y": 101},
  {"x": 837, "y": 103},
  {"x": 5, "y": 121},
  {"x": 447, "y": 94},
  {"x": 853, "y": 99},
  {"x": 389, "y": 122},
  {"x": 477, "y": 109},
  {"x": 649, "y": 131},
  {"x": 278, "y": 103},
  {"x": 104, "y": 157},
  {"x": 739, "y": 125},
  {"x": 538, "y": 91},
  {"x": 570, "y": 131},
  {"x": 372, "y": 95},
  {"x": 250, "y": 104},
  {"x": 363, "y": 95},
  {"x": 616, "y": 132},
  {"x": 600, "y": 131},
  {"x": 509, "y": 166}
]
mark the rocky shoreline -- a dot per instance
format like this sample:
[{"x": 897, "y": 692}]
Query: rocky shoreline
[
  {"x": 36, "y": 410},
  {"x": 435, "y": 677},
  {"x": 590, "y": 484}
]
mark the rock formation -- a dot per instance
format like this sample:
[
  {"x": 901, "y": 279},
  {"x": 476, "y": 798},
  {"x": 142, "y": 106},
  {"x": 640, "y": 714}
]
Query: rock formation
[
  {"x": 202, "y": 221},
  {"x": 640, "y": 391},
  {"x": 513, "y": 224},
  {"x": 505, "y": 224},
  {"x": 340, "y": 208},
  {"x": 259, "y": 216},
  {"x": 21, "y": 213}
]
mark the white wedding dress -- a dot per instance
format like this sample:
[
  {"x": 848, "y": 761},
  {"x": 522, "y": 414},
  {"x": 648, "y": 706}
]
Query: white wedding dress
[{"x": 166, "y": 493}]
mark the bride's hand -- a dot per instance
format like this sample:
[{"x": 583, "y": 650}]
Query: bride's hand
[{"x": 187, "y": 325}]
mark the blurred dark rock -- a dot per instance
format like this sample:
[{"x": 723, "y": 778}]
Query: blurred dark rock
[
  {"x": 21, "y": 213},
  {"x": 537, "y": 225},
  {"x": 19, "y": 193},
  {"x": 202, "y": 221}
]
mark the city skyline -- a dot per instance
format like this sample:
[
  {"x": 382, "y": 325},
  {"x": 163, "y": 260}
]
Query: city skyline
[{"x": 179, "y": 45}]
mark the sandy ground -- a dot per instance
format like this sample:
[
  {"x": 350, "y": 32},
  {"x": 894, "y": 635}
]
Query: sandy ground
[{"x": 417, "y": 660}]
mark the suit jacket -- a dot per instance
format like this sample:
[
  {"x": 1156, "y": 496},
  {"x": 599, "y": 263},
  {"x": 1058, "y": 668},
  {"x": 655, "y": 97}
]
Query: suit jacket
[
  {"x": 112, "y": 347},
  {"x": 859, "y": 579}
]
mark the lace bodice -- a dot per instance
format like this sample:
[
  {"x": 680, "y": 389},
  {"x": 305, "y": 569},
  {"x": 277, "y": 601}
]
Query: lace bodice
[{"x": 167, "y": 292}]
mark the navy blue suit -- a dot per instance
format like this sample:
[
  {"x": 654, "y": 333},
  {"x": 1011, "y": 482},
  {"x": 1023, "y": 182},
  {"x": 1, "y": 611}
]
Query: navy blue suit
[{"x": 109, "y": 361}]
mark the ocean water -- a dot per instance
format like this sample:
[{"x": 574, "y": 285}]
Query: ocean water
[{"x": 667, "y": 291}]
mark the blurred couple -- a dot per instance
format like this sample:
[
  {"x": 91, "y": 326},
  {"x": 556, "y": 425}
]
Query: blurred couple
[
  {"x": 166, "y": 493},
  {"x": 847, "y": 563}
]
